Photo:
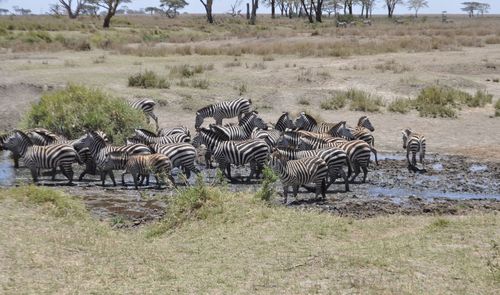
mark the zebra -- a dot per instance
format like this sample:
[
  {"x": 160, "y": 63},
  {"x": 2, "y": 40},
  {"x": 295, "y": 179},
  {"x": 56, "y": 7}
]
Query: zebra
[
  {"x": 308, "y": 123},
  {"x": 244, "y": 129},
  {"x": 41, "y": 136},
  {"x": 358, "y": 152},
  {"x": 147, "y": 106},
  {"x": 15, "y": 156},
  {"x": 300, "y": 172},
  {"x": 223, "y": 110},
  {"x": 340, "y": 24},
  {"x": 99, "y": 148},
  {"x": 414, "y": 143},
  {"x": 363, "y": 131},
  {"x": 174, "y": 130},
  {"x": 271, "y": 136},
  {"x": 140, "y": 166},
  {"x": 284, "y": 122},
  {"x": 181, "y": 154},
  {"x": 146, "y": 138},
  {"x": 43, "y": 157},
  {"x": 227, "y": 152},
  {"x": 334, "y": 157}
]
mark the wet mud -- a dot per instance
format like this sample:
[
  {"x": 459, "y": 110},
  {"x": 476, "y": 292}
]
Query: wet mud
[{"x": 450, "y": 185}]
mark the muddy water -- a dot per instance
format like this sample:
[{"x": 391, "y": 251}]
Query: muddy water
[{"x": 451, "y": 185}]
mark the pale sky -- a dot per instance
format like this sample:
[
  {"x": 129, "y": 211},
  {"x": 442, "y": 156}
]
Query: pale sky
[{"x": 222, "y": 6}]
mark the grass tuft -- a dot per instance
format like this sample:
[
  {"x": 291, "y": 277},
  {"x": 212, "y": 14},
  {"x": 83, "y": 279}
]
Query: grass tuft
[
  {"x": 401, "y": 105},
  {"x": 148, "y": 79},
  {"x": 497, "y": 108},
  {"x": 266, "y": 192}
]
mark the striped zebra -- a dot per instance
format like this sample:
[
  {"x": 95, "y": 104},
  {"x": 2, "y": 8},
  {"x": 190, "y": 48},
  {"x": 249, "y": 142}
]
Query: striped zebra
[
  {"x": 244, "y": 129},
  {"x": 99, "y": 148},
  {"x": 300, "y": 172},
  {"x": 181, "y": 154},
  {"x": 271, "y": 136},
  {"x": 146, "y": 137},
  {"x": 174, "y": 130},
  {"x": 223, "y": 110},
  {"x": 15, "y": 156},
  {"x": 43, "y": 157},
  {"x": 227, "y": 152},
  {"x": 141, "y": 166},
  {"x": 147, "y": 106},
  {"x": 284, "y": 122},
  {"x": 334, "y": 157},
  {"x": 358, "y": 152},
  {"x": 308, "y": 123},
  {"x": 41, "y": 136},
  {"x": 414, "y": 143},
  {"x": 363, "y": 131}
]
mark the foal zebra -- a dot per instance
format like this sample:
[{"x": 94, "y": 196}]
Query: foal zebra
[
  {"x": 181, "y": 154},
  {"x": 227, "y": 152},
  {"x": 223, "y": 110},
  {"x": 363, "y": 131},
  {"x": 414, "y": 143},
  {"x": 300, "y": 172},
  {"x": 244, "y": 129},
  {"x": 147, "y": 106},
  {"x": 43, "y": 157}
]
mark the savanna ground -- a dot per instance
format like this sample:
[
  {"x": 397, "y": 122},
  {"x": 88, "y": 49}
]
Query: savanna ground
[{"x": 238, "y": 244}]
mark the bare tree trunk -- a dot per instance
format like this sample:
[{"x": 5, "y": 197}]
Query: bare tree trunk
[
  {"x": 273, "y": 8},
  {"x": 107, "y": 20},
  {"x": 308, "y": 13},
  {"x": 208, "y": 9},
  {"x": 255, "y": 6},
  {"x": 248, "y": 11}
]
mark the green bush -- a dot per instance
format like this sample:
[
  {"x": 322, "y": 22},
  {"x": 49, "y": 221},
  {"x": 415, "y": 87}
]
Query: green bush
[
  {"x": 36, "y": 36},
  {"x": 196, "y": 202},
  {"x": 72, "y": 111},
  {"x": 440, "y": 101},
  {"x": 497, "y": 108},
  {"x": 266, "y": 192},
  {"x": 148, "y": 79},
  {"x": 357, "y": 99},
  {"x": 480, "y": 99},
  {"x": 401, "y": 105},
  {"x": 334, "y": 103}
]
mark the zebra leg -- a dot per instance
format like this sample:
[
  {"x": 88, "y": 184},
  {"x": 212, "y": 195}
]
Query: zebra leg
[
  {"x": 323, "y": 188},
  {"x": 54, "y": 172},
  {"x": 69, "y": 174},
  {"x": 123, "y": 178},
  {"x": 414, "y": 159},
  {"x": 408, "y": 157},
  {"x": 346, "y": 179},
  {"x": 374, "y": 151},
  {"x": 285, "y": 194},
  {"x": 421, "y": 158},
  {"x": 80, "y": 178},
  {"x": 365, "y": 173},
  {"x": 103, "y": 177},
  {"x": 34, "y": 175},
  {"x": 356, "y": 172},
  {"x": 136, "y": 180},
  {"x": 16, "y": 160},
  {"x": 112, "y": 176},
  {"x": 158, "y": 182},
  {"x": 147, "y": 179},
  {"x": 295, "y": 191},
  {"x": 187, "y": 172}
]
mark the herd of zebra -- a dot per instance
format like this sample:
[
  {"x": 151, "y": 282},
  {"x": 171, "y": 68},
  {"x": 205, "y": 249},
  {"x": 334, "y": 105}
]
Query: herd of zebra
[{"x": 300, "y": 151}]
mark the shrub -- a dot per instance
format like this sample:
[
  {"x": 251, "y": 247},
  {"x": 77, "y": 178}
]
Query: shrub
[
  {"x": 334, "y": 103},
  {"x": 497, "y": 108},
  {"x": 401, "y": 105},
  {"x": 73, "y": 110},
  {"x": 199, "y": 83},
  {"x": 148, "y": 79},
  {"x": 196, "y": 202},
  {"x": 480, "y": 99},
  {"x": 304, "y": 101},
  {"x": 362, "y": 101},
  {"x": 266, "y": 191}
]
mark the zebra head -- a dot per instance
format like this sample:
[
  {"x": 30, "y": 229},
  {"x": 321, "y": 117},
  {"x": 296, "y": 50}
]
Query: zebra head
[
  {"x": 344, "y": 131},
  {"x": 284, "y": 122},
  {"x": 91, "y": 140},
  {"x": 17, "y": 142},
  {"x": 277, "y": 160},
  {"x": 406, "y": 134},
  {"x": 305, "y": 122},
  {"x": 365, "y": 122},
  {"x": 198, "y": 120},
  {"x": 257, "y": 121}
]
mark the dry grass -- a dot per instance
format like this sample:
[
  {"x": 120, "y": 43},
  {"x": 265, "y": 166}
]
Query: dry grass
[{"x": 248, "y": 247}]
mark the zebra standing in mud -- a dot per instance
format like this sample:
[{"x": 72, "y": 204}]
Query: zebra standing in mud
[
  {"x": 300, "y": 172},
  {"x": 244, "y": 129},
  {"x": 15, "y": 156},
  {"x": 140, "y": 166},
  {"x": 43, "y": 157},
  {"x": 334, "y": 157},
  {"x": 181, "y": 154},
  {"x": 99, "y": 147},
  {"x": 146, "y": 137},
  {"x": 414, "y": 143},
  {"x": 227, "y": 152},
  {"x": 308, "y": 123},
  {"x": 271, "y": 136},
  {"x": 223, "y": 110},
  {"x": 147, "y": 106},
  {"x": 363, "y": 131}
]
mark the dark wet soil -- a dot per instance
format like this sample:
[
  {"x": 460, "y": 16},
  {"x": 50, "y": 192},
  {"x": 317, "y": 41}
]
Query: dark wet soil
[{"x": 450, "y": 185}]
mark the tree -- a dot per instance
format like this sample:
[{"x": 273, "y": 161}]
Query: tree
[
  {"x": 253, "y": 14},
  {"x": 313, "y": 8},
  {"x": 332, "y": 6},
  {"x": 89, "y": 9},
  {"x": 234, "y": 6},
  {"x": 151, "y": 9},
  {"x": 110, "y": 7},
  {"x": 4, "y": 11},
  {"x": 171, "y": 7},
  {"x": 208, "y": 9},
  {"x": 391, "y": 5},
  {"x": 470, "y": 7},
  {"x": 416, "y": 5},
  {"x": 72, "y": 8},
  {"x": 272, "y": 4},
  {"x": 483, "y": 8}
]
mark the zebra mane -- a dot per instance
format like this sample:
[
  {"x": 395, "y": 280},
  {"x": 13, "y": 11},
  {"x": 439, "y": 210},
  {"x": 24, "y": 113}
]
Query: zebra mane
[
  {"x": 98, "y": 136},
  {"x": 220, "y": 136},
  {"x": 204, "y": 108},
  {"x": 44, "y": 132},
  {"x": 309, "y": 118},
  {"x": 22, "y": 135},
  {"x": 247, "y": 117},
  {"x": 147, "y": 132}
]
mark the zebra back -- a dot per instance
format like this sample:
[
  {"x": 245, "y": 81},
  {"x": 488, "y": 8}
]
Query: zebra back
[
  {"x": 174, "y": 130},
  {"x": 300, "y": 171},
  {"x": 146, "y": 139},
  {"x": 242, "y": 152},
  {"x": 223, "y": 110}
]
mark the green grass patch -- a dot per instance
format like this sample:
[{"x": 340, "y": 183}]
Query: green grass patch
[
  {"x": 148, "y": 79},
  {"x": 334, "y": 103},
  {"x": 75, "y": 109},
  {"x": 497, "y": 108},
  {"x": 357, "y": 100},
  {"x": 401, "y": 105},
  {"x": 55, "y": 202},
  {"x": 267, "y": 190}
]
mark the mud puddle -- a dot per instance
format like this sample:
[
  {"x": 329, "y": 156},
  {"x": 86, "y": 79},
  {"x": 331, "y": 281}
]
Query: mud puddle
[{"x": 451, "y": 185}]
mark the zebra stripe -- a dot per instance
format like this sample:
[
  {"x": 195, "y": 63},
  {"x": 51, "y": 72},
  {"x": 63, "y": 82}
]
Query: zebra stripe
[
  {"x": 414, "y": 143},
  {"x": 181, "y": 154},
  {"x": 244, "y": 129},
  {"x": 15, "y": 156},
  {"x": 146, "y": 138},
  {"x": 334, "y": 157},
  {"x": 284, "y": 122},
  {"x": 300, "y": 172},
  {"x": 43, "y": 157},
  {"x": 147, "y": 106},
  {"x": 174, "y": 130},
  {"x": 363, "y": 131},
  {"x": 143, "y": 165},
  {"x": 271, "y": 136},
  {"x": 223, "y": 110},
  {"x": 308, "y": 123}
]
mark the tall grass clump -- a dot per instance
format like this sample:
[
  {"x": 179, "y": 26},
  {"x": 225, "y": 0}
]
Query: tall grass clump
[
  {"x": 401, "y": 105},
  {"x": 357, "y": 100},
  {"x": 497, "y": 108},
  {"x": 148, "y": 79},
  {"x": 266, "y": 191},
  {"x": 193, "y": 203},
  {"x": 335, "y": 102},
  {"x": 76, "y": 108}
]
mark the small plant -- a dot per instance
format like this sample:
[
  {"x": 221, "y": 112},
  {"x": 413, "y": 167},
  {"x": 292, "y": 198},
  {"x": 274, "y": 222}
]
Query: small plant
[
  {"x": 100, "y": 59},
  {"x": 304, "y": 101},
  {"x": 259, "y": 66},
  {"x": 334, "y": 103},
  {"x": 234, "y": 63},
  {"x": 199, "y": 83},
  {"x": 497, "y": 108},
  {"x": 439, "y": 224},
  {"x": 117, "y": 221},
  {"x": 392, "y": 66},
  {"x": 266, "y": 192},
  {"x": 242, "y": 88},
  {"x": 148, "y": 79},
  {"x": 480, "y": 99},
  {"x": 401, "y": 105},
  {"x": 268, "y": 58}
]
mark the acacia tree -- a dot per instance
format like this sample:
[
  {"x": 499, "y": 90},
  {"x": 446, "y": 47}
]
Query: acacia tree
[
  {"x": 72, "y": 8},
  {"x": 208, "y": 9},
  {"x": 391, "y": 5},
  {"x": 171, "y": 6},
  {"x": 110, "y": 6},
  {"x": 416, "y": 5},
  {"x": 332, "y": 6}
]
